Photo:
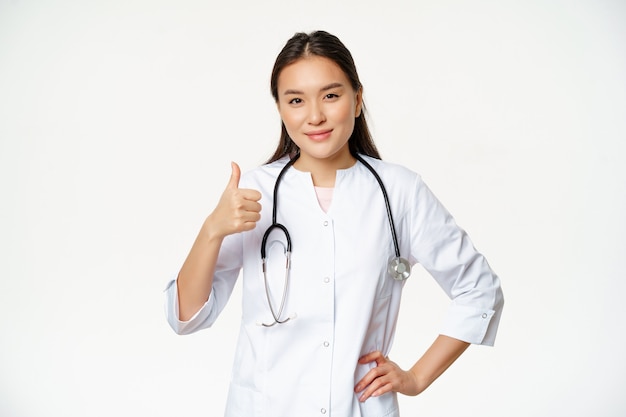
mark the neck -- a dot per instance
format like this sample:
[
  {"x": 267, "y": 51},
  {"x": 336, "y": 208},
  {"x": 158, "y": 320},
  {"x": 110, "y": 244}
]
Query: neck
[{"x": 324, "y": 171}]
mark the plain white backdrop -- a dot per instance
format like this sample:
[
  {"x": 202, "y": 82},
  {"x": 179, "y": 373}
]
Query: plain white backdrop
[{"x": 118, "y": 122}]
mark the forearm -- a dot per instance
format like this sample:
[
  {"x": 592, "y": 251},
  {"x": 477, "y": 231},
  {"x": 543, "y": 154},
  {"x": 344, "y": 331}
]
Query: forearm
[
  {"x": 441, "y": 354},
  {"x": 195, "y": 278},
  {"x": 237, "y": 211}
]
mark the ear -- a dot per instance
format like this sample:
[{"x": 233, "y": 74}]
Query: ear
[{"x": 359, "y": 102}]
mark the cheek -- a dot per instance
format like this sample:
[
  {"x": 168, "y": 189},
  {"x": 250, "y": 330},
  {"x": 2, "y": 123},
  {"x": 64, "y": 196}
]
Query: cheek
[
  {"x": 344, "y": 113},
  {"x": 345, "y": 116},
  {"x": 291, "y": 119},
  {"x": 293, "y": 122}
]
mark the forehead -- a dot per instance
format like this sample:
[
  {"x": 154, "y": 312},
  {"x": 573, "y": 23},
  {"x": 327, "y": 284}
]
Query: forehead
[{"x": 311, "y": 72}]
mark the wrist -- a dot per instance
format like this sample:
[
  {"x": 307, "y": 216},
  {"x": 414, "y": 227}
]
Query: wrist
[
  {"x": 420, "y": 382},
  {"x": 210, "y": 231}
]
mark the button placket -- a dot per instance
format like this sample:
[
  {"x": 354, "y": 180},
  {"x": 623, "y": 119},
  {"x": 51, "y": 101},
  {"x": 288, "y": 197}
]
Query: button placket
[{"x": 326, "y": 278}]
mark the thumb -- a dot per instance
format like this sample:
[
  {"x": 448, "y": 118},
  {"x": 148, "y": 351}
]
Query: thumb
[{"x": 233, "y": 182}]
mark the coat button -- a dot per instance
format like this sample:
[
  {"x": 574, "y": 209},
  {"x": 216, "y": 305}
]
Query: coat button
[
  {"x": 326, "y": 280},
  {"x": 484, "y": 315},
  {"x": 326, "y": 223},
  {"x": 326, "y": 344},
  {"x": 323, "y": 411}
]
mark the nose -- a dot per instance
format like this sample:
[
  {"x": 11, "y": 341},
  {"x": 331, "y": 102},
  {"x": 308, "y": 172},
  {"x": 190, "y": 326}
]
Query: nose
[{"x": 316, "y": 114}]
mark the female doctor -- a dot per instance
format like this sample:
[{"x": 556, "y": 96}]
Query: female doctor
[{"x": 326, "y": 233}]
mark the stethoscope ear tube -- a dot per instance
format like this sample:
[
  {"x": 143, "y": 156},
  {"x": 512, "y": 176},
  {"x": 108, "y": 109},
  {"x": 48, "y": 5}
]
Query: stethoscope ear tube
[{"x": 287, "y": 250}]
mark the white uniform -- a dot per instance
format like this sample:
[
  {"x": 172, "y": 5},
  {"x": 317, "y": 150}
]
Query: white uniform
[{"x": 344, "y": 303}]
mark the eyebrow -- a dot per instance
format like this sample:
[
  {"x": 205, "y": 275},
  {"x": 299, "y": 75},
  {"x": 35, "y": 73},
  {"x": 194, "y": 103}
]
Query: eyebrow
[{"x": 325, "y": 88}]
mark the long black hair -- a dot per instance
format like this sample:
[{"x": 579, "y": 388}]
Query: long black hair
[{"x": 323, "y": 44}]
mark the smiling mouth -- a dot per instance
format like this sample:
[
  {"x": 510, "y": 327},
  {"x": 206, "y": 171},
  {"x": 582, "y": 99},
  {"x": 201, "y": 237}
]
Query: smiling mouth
[{"x": 319, "y": 135}]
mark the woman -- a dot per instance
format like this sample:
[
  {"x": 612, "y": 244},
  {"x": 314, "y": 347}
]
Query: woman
[{"x": 318, "y": 322}]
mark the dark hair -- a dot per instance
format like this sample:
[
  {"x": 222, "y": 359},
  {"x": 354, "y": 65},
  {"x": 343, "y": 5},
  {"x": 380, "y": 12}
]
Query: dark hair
[{"x": 323, "y": 44}]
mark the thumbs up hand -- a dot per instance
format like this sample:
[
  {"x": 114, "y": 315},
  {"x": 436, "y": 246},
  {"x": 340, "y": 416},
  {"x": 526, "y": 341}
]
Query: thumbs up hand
[{"x": 238, "y": 209}]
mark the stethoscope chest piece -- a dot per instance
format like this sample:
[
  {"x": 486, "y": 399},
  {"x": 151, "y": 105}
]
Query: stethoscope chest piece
[{"x": 399, "y": 268}]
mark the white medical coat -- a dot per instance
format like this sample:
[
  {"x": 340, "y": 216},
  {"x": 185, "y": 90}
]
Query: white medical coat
[{"x": 345, "y": 304}]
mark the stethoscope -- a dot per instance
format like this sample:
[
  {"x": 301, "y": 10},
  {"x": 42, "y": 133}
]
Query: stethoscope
[{"x": 398, "y": 267}]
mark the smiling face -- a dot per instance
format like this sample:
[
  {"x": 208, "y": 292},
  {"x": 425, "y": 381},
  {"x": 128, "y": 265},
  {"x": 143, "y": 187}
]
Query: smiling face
[{"x": 318, "y": 106}]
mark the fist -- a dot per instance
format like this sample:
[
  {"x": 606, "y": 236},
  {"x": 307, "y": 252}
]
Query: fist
[{"x": 238, "y": 209}]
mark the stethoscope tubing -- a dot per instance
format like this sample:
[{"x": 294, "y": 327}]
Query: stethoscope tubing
[
  {"x": 275, "y": 224},
  {"x": 392, "y": 225}
]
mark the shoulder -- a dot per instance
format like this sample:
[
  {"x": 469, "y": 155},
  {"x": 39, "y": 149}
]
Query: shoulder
[
  {"x": 405, "y": 188},
  {"x": 392, "y": 173},
  {"x": 263, "y": 173}
]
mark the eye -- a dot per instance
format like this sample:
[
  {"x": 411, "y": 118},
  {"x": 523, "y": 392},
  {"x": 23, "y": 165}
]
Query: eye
[
  {"x": 331, "y": 96},
  {"x": 295, "y": 101}
]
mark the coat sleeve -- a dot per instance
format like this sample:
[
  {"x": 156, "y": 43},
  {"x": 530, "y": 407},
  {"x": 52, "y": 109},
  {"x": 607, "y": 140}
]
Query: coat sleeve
[
  {"x": 226, "y": 272},
  {"x": 447, "y": 253}
]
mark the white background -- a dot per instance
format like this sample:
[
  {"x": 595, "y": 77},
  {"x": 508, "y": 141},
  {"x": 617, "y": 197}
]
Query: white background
[{"x": 118, "y": 121}]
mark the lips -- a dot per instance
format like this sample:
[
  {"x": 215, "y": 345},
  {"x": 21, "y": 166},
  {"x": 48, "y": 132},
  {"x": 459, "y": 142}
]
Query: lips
[{"x": 319, "y": 135}]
